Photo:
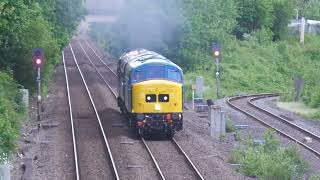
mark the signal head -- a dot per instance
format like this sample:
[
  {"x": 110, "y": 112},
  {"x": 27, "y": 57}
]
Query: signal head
[
  {"x": 38, "y": 57},
  {"x": 216, "y": 49}
]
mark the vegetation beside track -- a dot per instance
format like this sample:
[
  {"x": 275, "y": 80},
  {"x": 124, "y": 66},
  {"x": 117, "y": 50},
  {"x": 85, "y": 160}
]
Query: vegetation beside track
[
  {"x": 269, "y": 160},
  {"x": 11, "y": 112},
  {"x": 258, "y": 55},
  {"x": 25, "y": 25}
]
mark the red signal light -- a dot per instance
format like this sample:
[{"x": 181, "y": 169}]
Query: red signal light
[
  {"x": 38, "y": 57},
  {"x": 38, "y": 61}
]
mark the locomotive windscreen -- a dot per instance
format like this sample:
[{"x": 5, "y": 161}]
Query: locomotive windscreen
[{"x": 156, "y": 72}]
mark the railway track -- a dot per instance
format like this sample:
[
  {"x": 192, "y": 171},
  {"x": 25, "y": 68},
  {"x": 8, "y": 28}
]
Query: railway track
[
  {"x": 179, "y": 150},
  {"x": 245, "y": 104},
  {"x": 92, "y": 154}
]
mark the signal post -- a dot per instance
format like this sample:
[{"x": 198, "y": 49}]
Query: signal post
[
  {"x": 216, "y": 51},
  {"x": 38, "y": 60}
]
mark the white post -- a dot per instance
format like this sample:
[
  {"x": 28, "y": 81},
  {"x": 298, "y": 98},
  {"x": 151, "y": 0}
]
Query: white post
[
  {"x": 5, "y": 171},
  {"x": 193, "y": 87},
  {"x": 193, "y": 99},
  {"x": 25, "y": 97},
  {"x": 214, "y": 120},
  {"x": 222, "y": 130},
  {"x": 302, "y": 29}
]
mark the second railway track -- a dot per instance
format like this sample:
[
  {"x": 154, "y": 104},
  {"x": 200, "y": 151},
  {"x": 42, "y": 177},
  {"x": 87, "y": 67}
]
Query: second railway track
[
  {"x": 284, "y": 127},
  {"x": 92, "y": 154}
]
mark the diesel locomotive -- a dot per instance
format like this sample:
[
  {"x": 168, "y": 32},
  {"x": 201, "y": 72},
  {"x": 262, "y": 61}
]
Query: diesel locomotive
[{"x": 150, "y": 92}]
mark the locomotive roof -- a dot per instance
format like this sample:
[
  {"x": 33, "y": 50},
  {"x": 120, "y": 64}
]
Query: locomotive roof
[{"x": 142, "y": 56}]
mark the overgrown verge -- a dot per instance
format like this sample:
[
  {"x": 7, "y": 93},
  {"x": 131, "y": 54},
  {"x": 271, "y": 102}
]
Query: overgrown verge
[
  {"x": 248, "y": 66},
  {"x": 25, "y": 25},
  {"x": 269, "y": 160},
  {"x": 11, "y": 114}
]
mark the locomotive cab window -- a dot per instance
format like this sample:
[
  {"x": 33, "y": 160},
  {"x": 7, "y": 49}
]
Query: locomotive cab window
[
  {"x": 139, "y": 75},
  {"x": 175, "y": 75},
  {"x": 156, "y": 72}
]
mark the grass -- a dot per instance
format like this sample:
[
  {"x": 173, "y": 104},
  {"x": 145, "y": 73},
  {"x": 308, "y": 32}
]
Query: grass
[
  {"x": 249, "y": 67},
  {"x": 301, "y": 109},
  {"x": 229, "y": 126},
  {"x": 269, "y": 161}
]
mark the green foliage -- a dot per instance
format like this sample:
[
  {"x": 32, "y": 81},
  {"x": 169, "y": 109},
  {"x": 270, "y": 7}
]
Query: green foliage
[
  {"x": 283, "y": 10},
  {"x": 25, "y": 25},
  {"x": 11, "y": 111},
  {"x": 269, "y": 161},
  {"x": 254, "y": 15},
  {"x": 315, "y": 177},
  {"x": 309, "y": 9},
  {"x": 206, "y": 21},
  {"x": 250, "y": 67},
  {"x": 229, "y": 126}
]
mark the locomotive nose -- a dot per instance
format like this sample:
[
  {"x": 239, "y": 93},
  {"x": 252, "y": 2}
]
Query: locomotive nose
[{"x": 154, "y": 96}]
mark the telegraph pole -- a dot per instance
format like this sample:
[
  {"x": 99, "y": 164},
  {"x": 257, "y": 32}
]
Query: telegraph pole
[
  {"x": 38, "y": 60},
  {"x": 216, "y": 48}
]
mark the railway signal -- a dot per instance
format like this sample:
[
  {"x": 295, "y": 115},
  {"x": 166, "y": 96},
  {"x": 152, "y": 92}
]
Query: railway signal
[
  {"x": 38, "y": 61},
  {"x": 216, "y": 52},
  {"x": 38, "y": 57}
]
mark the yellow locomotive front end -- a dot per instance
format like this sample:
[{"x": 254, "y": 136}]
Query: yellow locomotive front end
[
  {"x": 157, "y": 105},
  {"x": 157, "y": 96}
]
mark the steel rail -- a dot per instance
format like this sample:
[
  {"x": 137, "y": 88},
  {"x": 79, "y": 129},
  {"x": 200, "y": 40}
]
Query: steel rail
[
  {"x": 96, "y": 69},
  {"x": 153, "y": 159},
  {"x": 267, "y": 124},
  {"x": 143, "y": 140},
  {"x": 98, "y": 117},
  {"x": 75, "y": 150},
  {"x": 188, "y": 158},
  {"x": 145, "y": 144},
  {"x": 282, "y": 119},
  {"x": 100, "y": 58}
]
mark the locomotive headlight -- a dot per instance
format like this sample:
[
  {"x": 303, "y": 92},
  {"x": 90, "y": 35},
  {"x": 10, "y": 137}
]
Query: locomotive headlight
[
  {"x": 151, "y": 98},
  {"x": 175, "y": 116},
  {"x": 163, "y": 97}
]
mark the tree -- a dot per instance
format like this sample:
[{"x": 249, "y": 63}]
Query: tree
[
  {"x": 253, "y": 15},
  {"x": 283, "y": 10}
]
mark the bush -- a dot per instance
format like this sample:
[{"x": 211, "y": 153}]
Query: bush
[
  {"x": 229, "y": 126},
  {"x": 11, "y": 111},
  {"x": 269, "y": 161}
]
